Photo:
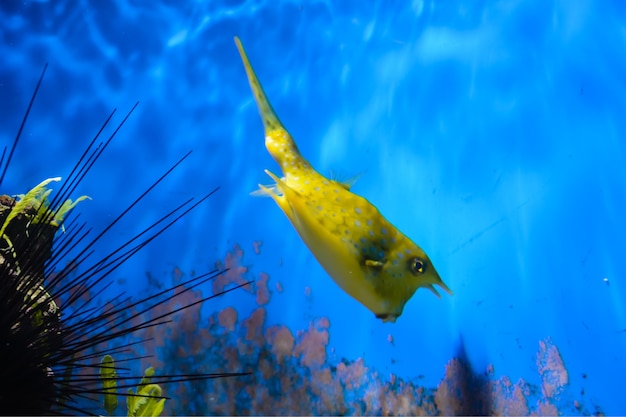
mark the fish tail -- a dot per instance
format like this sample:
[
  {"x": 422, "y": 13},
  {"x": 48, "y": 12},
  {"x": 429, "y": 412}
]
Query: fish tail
[
  {"x": 270, "y": 120},
  {"x": 277, "y": 140}
]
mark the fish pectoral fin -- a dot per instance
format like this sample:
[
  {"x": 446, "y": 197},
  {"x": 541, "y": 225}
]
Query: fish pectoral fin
[
  {"x": 270, "y": 190},
  {"x": 279, "y": 183},
  {"x": 282, "y": 195},
  {"x": 370, "y": 263},
  {"x": 266, "y": 191}
]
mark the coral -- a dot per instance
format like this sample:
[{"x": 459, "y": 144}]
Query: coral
[
  {"x": 228, "y": 319},
  {"x": 234, "y": 271},
  {"x": 291, "y": 372},
  {"x": 311, "y": 346},
  {"x": 510, "y": 399},
  {"x": 553, "y": 374},
  {"x": 263, "y": 293},
  {"x": 281, "y": 341}
]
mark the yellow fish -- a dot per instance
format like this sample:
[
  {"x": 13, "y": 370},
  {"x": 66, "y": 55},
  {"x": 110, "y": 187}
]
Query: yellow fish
[{"x": 364, "y": 254}]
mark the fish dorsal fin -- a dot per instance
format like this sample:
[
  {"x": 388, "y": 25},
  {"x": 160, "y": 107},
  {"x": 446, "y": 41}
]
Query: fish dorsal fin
[{"x": 346, "y": 183}]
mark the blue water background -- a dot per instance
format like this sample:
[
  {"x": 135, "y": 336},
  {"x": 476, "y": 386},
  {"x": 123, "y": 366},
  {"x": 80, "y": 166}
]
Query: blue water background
[{"x": 491, "y": 133}]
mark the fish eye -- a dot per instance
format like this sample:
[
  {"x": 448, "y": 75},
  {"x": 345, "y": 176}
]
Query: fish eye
[{"x": 417, "y": 266}]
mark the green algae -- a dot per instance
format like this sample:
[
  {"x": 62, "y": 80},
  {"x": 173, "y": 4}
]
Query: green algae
[{"x": 148, "y": 401}]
